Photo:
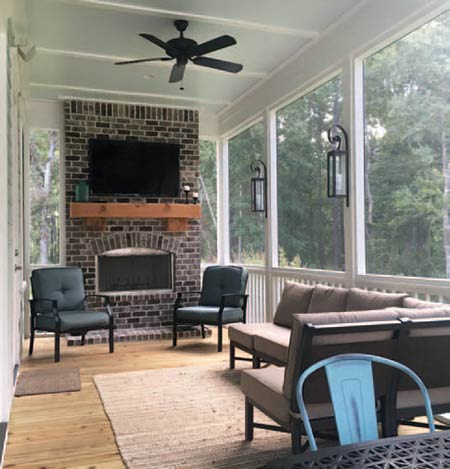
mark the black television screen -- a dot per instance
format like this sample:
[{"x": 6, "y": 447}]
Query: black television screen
[{"x": 119, "y": 167}]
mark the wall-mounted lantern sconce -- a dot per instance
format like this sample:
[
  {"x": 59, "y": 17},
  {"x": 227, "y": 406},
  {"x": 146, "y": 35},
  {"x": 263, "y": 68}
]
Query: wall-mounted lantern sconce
[
  {"x": 259, "y": 187},
  {"x": 337, "y": 164}
]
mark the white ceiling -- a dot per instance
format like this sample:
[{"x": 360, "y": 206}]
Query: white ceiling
[{"x": 78, "y": 42}]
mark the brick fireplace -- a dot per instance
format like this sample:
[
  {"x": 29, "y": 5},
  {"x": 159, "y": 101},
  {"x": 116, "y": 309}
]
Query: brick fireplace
[{"x": 147, "y": 308}]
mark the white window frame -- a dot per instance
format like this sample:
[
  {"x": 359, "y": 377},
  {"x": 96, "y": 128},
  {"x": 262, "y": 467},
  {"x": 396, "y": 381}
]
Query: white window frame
[{"x": 351, "y": 68}]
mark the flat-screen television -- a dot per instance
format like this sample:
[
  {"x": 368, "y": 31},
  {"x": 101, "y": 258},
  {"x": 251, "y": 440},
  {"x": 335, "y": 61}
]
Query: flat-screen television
[{"x": 118, "y": 167}]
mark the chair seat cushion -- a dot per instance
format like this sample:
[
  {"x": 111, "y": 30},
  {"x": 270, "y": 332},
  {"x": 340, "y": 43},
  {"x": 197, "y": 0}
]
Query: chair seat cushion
[
  {"x": 273, "y": 343},
  {"x": 73, "y": 320},
  {"x": 244, "y": 334},
  {"x": 209, "y": 314},
  {"x": 264, "y": 387}
]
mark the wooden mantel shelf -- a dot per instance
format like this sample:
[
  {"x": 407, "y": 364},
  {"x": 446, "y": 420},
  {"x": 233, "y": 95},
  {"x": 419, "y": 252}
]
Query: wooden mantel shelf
[{"x": 96, "y": 213}]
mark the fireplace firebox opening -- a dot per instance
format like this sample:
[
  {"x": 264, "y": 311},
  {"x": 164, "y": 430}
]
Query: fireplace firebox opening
[{"x": 134, "y": 270}]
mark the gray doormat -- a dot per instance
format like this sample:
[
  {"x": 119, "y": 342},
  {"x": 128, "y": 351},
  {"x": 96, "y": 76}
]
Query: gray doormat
[{"x": 48, "y": 381}]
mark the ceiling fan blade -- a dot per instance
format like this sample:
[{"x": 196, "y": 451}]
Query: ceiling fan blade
[
  {"x": 177, "y": 72},
  {"x": 218, "y": 64},
  {"x": 153, "y": 39},
  {"x": 138, "y": 61},
  {"x": 214, "y": 44}
]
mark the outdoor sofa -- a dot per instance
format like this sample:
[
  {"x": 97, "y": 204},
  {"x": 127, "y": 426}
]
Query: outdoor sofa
[{"x": 395, "y": 326}]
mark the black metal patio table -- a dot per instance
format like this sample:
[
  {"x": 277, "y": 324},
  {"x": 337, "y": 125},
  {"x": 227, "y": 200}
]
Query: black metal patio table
[{"x": 426, "y": 450}]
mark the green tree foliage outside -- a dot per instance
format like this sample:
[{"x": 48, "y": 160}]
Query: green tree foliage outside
[
  {"x": 407, "y": 109},
  {"x": 310, "y": 225},
  {"x": 208, "y": 198},
  {"x": 246, "y": 228},
  {"x": 44, "y": 197}
]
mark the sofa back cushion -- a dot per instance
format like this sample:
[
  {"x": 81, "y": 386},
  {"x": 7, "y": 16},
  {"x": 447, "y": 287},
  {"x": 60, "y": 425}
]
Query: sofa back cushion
[
  {"x": 361, "y": 300},
  {"x": 294, "y": 300},
  {"x": 367, "y": 342},
  {"x": 328, "y": 299},
  {"x": 63, "y": 284},
  {"x": 410, "y": 302}
]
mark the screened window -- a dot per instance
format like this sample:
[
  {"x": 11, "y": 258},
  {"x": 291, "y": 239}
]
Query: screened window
[
  {"x": 44, "y": 197},
  {"x": 208, "y": 197},
  {"x": 246, "y": 228},
  {"x": 310, "y": 225},
  {"x": 407, "y": 173}
]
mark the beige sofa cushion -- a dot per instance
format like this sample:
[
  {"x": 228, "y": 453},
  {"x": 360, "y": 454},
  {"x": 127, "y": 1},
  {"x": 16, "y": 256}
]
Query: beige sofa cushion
[
  {"x": 361, "y": 300},
  {"x": 387, "y": 314},
  {"x": 418, "y": 314},
  {"x": 408, "y": 399},
  {"x": 264, "y": 387},
  {"x": 243, "y": 333},
  {"x": 328, "y": 299},
  {"x": 273, "y": 342},
  {"x": 410, "y": 302},
  {"x": 294, "y": 300}
]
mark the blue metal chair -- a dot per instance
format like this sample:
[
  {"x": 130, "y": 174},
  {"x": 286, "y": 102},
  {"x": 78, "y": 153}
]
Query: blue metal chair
[{"x": 350, "y": 381}]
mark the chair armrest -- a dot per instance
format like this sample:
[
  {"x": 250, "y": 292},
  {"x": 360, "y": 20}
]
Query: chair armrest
[
  {"x": 225, "y": 296},
  {"x": 106, "y": 300},
  {"x": 181, "y": 293},
  {"x": 53, "y": 302},
  {"x": 92, "y": 295}
]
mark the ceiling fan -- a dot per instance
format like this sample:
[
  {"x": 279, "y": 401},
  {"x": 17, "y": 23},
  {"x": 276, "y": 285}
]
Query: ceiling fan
[{"x": 183, "y": 50}]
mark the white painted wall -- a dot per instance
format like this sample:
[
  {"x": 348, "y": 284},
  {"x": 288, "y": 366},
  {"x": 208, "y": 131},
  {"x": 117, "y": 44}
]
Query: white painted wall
[
  {"x": 367, "y": 26},
  {"x": 9, "y": 333},
  {"x": 45, "y": 114}
]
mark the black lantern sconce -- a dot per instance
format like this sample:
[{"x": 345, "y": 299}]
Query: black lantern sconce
[
  {"x": 337, "y": 164},
  {"x": 259, "y": 187}
]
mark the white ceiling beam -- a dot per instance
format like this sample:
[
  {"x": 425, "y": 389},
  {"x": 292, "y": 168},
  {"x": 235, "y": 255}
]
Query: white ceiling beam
[
  {"x": 164, "y": 13},
  {"x": 115, "y": 58},
  {"x": 169, "y": 97}
]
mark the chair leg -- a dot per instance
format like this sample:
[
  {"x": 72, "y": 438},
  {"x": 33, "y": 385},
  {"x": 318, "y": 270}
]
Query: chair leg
[
  {"x": 296, "y": 436},
  {"x": 256, "y": 361},
  {"x": 57, "y": 344},
  {"x": 174, "y": 331},
  {"x": 220, "y": 340},
  {"x": 248, "y": 420},
  {"x": 30, "y": 351},
  {"x": 83, "y": 337},
  {"x": 111, "y": 338},
  {"x": 232, "y": 356},
  {"x": 203, "y": 331}
]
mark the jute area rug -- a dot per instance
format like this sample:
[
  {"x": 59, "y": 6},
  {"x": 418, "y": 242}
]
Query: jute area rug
[
  {"x": 190, "y": 417},
  {"x": 47, "y": 381}
]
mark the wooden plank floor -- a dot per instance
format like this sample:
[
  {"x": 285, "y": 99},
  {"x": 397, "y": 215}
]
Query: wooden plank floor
[{"x": 71, "y": 430}]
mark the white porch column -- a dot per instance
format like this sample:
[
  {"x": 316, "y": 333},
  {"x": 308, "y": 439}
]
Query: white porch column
[
  {"x": 354, "y": 216},
  {"x": 271, "y": 225},
  {"x": 223, "y": 215}
]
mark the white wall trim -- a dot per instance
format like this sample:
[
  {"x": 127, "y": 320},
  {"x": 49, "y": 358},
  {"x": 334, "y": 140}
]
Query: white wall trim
[
  {"x": 55, "y": 86},
  {"x": 175, "y": 14}
]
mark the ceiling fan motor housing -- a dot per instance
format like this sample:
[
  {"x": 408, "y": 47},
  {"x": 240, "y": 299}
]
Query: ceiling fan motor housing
[{"x": 183, "y": 47}]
